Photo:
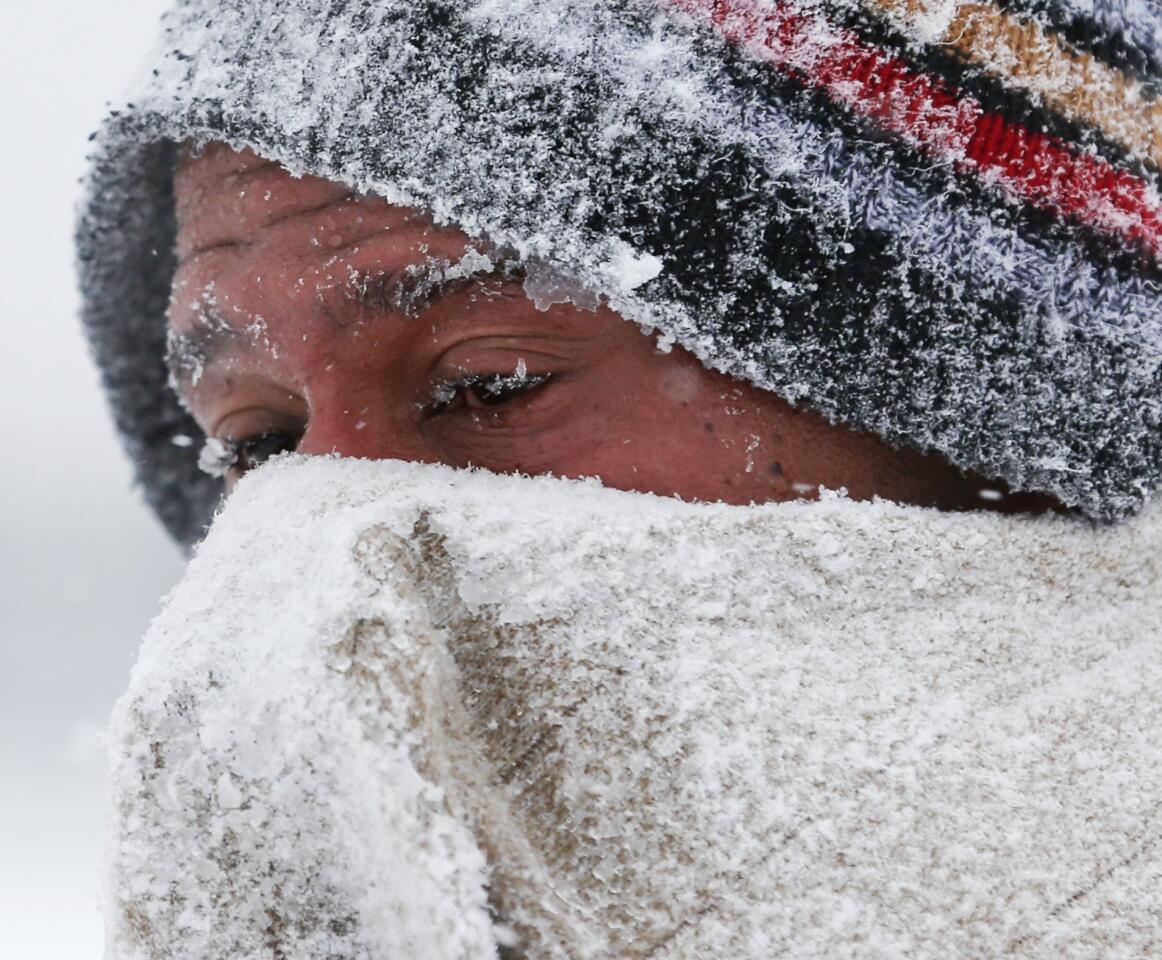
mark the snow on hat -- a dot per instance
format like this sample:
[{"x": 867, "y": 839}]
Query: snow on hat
[{"x": 935, "y": 219}]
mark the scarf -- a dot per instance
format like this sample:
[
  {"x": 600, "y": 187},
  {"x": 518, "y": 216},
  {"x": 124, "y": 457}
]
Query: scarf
[{"x": 403, "y": 711}]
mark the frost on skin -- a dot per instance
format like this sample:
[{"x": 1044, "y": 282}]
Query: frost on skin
[{"x": 399, "y": 710}]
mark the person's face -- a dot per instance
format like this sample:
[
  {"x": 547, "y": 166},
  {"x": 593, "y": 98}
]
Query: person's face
[{"x": 307, "y": 317}]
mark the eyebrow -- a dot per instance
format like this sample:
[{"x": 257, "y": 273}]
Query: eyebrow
[
  {"x": 412, "y": 291},
  {"x": 409, "y": 293}
]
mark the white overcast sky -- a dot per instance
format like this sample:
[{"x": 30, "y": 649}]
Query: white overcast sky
[{"x": 82, "y": 565}]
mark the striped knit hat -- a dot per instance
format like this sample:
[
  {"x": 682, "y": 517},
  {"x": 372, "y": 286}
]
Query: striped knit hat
[{"x": 934, "y": 219}]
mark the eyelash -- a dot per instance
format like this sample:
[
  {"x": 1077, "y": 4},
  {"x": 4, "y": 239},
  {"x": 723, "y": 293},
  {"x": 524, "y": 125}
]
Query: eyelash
[
  {"x": 220, "y": 455},
  {"x": 490, "y": 389}
]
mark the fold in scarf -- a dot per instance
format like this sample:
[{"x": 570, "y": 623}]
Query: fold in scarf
[{"x": 402, "y": 711}]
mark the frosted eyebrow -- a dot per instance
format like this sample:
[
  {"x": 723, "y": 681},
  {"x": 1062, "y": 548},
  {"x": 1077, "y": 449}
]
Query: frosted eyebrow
[
  {"x": 411, "y": 291},
  {"x": 188, "y": 354},
  {"x": 407, "y": 293}
]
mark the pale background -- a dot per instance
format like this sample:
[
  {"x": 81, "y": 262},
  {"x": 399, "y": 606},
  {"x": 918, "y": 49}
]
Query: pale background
[{"x": 82, "y": 564}]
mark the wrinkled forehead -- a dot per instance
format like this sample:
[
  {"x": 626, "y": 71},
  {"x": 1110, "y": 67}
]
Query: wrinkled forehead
[
  {"x": 225, "y": 197},
  {"x": 256, "y": 243}
]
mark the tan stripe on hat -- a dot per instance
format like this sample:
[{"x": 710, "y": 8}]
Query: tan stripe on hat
[{"x": 1022, "y": 54}]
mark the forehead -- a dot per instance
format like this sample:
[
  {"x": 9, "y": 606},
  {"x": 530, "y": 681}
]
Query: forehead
[
  {"x": 226, "y": 198},
  {"x": 263, "y": 254},
  {"x": 247, "y": 226}
]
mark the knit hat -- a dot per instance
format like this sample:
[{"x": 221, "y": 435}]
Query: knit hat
[{"x": 935, "y": 219}]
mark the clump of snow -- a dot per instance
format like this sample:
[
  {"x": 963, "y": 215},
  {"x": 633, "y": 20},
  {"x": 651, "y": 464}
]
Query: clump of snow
[
  {"x": 628, "y": 269},
  {"x": 927, "y": 21},
  {"x": 217, "y": 457},
  {"x": 398, "y": 710}
]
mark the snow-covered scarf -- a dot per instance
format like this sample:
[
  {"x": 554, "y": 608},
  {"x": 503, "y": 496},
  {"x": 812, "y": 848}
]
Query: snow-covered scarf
[
  {"x": 401, "y": 711},
  {"x": 934, "y": 219}
]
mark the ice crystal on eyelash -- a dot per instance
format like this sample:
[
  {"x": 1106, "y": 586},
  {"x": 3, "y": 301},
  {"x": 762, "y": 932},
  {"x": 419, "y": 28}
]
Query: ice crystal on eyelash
[
  {"x": 498, "y": 383},
  {"x": 488, "y": 384},
  {"x": 445, "y": 392},
  {"x": 217, "y": 457}
]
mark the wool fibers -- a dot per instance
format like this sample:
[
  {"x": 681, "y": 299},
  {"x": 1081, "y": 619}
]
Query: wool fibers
[{"x": 405, "y": 711}]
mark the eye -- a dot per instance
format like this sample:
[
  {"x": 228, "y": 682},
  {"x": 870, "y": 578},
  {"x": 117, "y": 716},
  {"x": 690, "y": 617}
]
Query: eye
[
  {"x": 483, "y": 390},
  {"x": 220, "y": 456},
  {"x": 257, "y": 450}
]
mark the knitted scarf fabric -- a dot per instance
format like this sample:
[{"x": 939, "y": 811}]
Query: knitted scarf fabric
[
  {"x": 401, "y": 712},
  {"x": 932, "y": 219}
]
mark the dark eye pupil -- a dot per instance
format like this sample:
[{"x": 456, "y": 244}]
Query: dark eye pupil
[{"x": 253, "y": 453}]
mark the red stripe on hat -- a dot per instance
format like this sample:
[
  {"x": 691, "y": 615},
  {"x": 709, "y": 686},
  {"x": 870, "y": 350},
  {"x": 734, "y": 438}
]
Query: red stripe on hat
[{"x": 1042, "y": 170}]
